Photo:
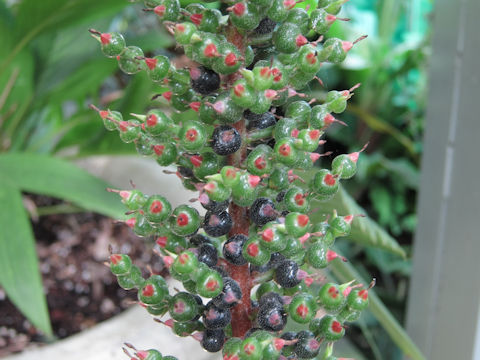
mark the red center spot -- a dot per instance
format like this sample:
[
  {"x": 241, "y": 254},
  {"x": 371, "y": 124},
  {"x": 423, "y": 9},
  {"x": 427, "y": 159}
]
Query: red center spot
[
  {"x": 289, "y": 4},
  {"x": 278, "y": 343},
  {"x": 249, "y": 349},
  {"x": 253, "y": 180},
  {"x": 253, "y": 250},
  {"x": 115, "y": 258},
  {"x": 131, "y": 222},
  {"x": 161, "y": 241},
  {"x": 195, "y": 106},
  {"x": 294, "y": 133},
  {"x": 191, "y": 135},
  {"x": 210, "y": 187},
  {"x": 227, "y": 136},
  {"x": 285, "y": 150},
  {"x": 196, "y": 160},
  {"x": 270, "y": 94},
  {"x": 314, "y": 134},
  {"x": 167, "y": 95},
  {"x": 148, "y": 290},
  {"x": 336, "y": 327},
  {"x": 239, "y": 9},
  {"x": 302, "y": 311},
  {"x": 260, "y": 163},
  {"x": 277, "y": 75},
  {"x": 151, "y": 63},
  {"x": 302, "y": 220},
  {"x": 301, "y": 40},
  {"x": 183, "y": 258},
  {"x": 182, "y": 219},
  {"x": 156, "y": 207},
  {"x": 180, "y": 28},
  {"x": 214, "y": 220},
  {"x": 210, "y": 50},
  {"x": 105, "y": 38},
  {"x": 159, "y": 149},
  {"x": 299, "y": 199},
  {"x": 311, "y": 58},
  {"x": 231, "y": 59},
  {"x": 333, "y": 292},
  {"x": 268, "y": 235},
  {"x": 196, "y": 18},
  {"x": 313, "y": 344},
  {"x": 329, "y": 180},
  {"x": 330, "y": 18},
  {"x": 231, "y": 173},
  {"x": 179, "y": 307},
  {"x": 103, "y": 114},
  {"x": 265, "y": 72},
  {"x": 328, "y": 119},
  {"x": 123, "y": 125},
  {"x": 152, "y": 120},
  {"x": 159, "y": 10},
  {"x": 239, "y": 90},
  {"x": 363, "y": 294},
  {"x": 212, "y": 285}
]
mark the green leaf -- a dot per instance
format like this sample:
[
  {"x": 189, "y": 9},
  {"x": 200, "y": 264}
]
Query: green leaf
[
  {"x": 19, "y": 272},
  {"x": 364, "y": 230},
  {"x": 58, "y": 178},
  {"x": 346, "y": 272}
]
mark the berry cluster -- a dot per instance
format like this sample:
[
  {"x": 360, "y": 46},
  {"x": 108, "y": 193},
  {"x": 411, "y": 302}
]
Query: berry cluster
[{"x": 248, "y": 133}]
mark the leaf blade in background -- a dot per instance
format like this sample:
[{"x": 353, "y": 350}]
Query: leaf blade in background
[
  {"x": 50, "y": 176},
  {"x": 364, "y": 230},
  {"x": 19, "y": 271}
]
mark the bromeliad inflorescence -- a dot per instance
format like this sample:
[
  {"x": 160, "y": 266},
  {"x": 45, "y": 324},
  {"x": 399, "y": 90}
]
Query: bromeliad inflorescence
[{"x": 247, "y": 264}]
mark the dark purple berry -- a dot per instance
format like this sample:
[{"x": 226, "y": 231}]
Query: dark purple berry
[
  {"x": 272, "y": 318},
  {"x": 203, "y": 80},
  {"x": 185, "y": 172},
  {"x": 232, "y": 249},
  {"x": 217, "y": 224},
  {"x": 199, "y": 239},
  {"x": 281, "y": 196},
  {"x": 214, "y": 317},
  {"x": 221, "y": 271},
  {"x": 266, "y": 26},
  {"x": 271, "y": 299},
  {"x": 226, "y": 140},
  {"x": 262, "y": 211},
  {"x": 307, "y": 347},
  {"x": 214, "y": 206},
  {"x": 207, "y": 253},
  {"x": 259, "y": 121},
  {"x": 231, "y": 294},
  {"x": 286, "y": 274},
  {"x": 213, "y": 340}
]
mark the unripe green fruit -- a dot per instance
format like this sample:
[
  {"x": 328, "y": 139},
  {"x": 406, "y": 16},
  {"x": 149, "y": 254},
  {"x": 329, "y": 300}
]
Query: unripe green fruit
[
  {"x": 209, "y": 283},
  {"x": 229, "y": 60},
  {"x": 157, "y": 209},
  {"x": 112, "y": 44},
  {"x": 183, "y": 32},
  {"x": 340, "y": 225},
  {"x": 183, "y": 307},
  {"x": 192, "y": 135},
  {"x": 300, "y": 17},
  {"x": 185, "y": 263},
  {"x": 254, "y": 253},
  {"x": 217, "y": 191},
  {"x": 120, "y": 264},
  {"x": 157, "y": 123},
  {"x": 153, "y": 290},
  {"x": 133, "y": 199},
  {"x": 131, "y": 280},
  {"x": 316, "y": 255},
  {"x": 205, "y": 47},
  {"x": 303, "y": 308},
  {"x": 358, "y": 299},
  {"x": 320, "y": 117},
  {"x": 300, "y": 111},
  {"x": 184, "y": 329},
  {"x": 142, "y": 227},
  {"x": 337, "y": 101},
  {"x": 285, "y": 152},
  {"x": 266, "y": 287},
  {"x": 259, "y": 161},
  {"x": 243, "y": 94},
  {"x": 278, "y": 179},
  {"x": 279, "y": 10},
  {"x": 130, "y": 61},
  {"x": 181, "y": 102},
  {"x": 185, "y": 220},
  {"x": 205, "y": 164},
  {"x": 263, "y": 102},
  {"x": 307, "y": 59},
  {"x": 331, "y": 6},
  {"x": 263, "y": 77},
  {"x": 324, "y": 183},
  {"x": 165, "y": 153},
  {"x": 245, "y": 16},
  {"x": 231, "y": 348},
  {"x": 344, "y": 166},
  {"x": 295, "y": 200},
  {"x": 230, "y": 176},
  {"x": 272, "y": 238},
  {"x": 206, "y": 112},
  {"x": 157, "y": 67},
  {"x": 331, "y": 329},
  {"x": 320, "y": 21},
  {"x": 226, "y": 110},
  {"x": 245, "y": 191},
  {"x": 333, "y": 51},
  {"x": 250, "y": 349},
  {"x": 166, "y": 10},
  {"x": 129, "y": 130},
  {"x": 288, "y": 38},
  {"x": 331, "y": 297},
  {"x": 144, "y": 144},
  {"x": 297, "y": 224}
]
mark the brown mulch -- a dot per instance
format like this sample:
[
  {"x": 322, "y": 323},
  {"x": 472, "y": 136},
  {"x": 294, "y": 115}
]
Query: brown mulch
[{"x": 81, "y": 291}]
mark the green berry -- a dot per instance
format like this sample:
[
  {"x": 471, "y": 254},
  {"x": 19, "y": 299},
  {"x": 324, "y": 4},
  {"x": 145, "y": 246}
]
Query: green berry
[
  {"x": 132, "y": 280},
  {"x": 288, "y": 38},
  {"x": 183, "y": 307},
  {"x": 358, "y": 299},
  {"x": 300, "y": 17},
  {"x": 243, "y": 94},
  {"x": 272, "y": 237},
  {"x": 259, "y": 161},
  {"x": 192, "y": 135},
  {"x": 297, "y": 224},
  {"x": 279, "y": 10},
  {"x": 320, "y": 21},
  {"x": 129, "y": 130},
  {"x": 278, "y": 179},
  {"x": 226, "y": 109},
  {"x": 316, "y": 255},
  {"x": 112, "y": 44},
  {"x": 324, "y": 183},
  {"x": 184, "y": 220},
  {"x": 254, "y": 253},
  {"x": 331, "y": 329},
  {"x": 296, "y": 200},
  {"x": 331, "y": 297},
  {"x": 245, "y": 191},
  {"x": 205, "y": 164},
  {"x": 302, "y": 308},
  {"x": 231, "y": 348},
  {"x": 209, "y": 283},
  {"x": 217, "y": 191},
  {"x": 230, "y": 176},
  {"x": 157, "y": 67},
  {"x": 120, "y": 264},
  {"x": 165, "y": 153},
  {"x": 285, "y": 151},
  {"x": 157, "y": 123},
  {"x": 300, "y": 111},
  {"x": 307, "y": 59},
  {"x": 157, "y": 209},
  {"x": 263, "y": 77},
  {"x": 336, "y": 101},
  {"x": 245, "y": 15},
  {"x": 250, "y": 349},
  {"x": 345, "y": 165},
  {"x": 167, "y": 10},
  {"x": 185, "y": 263},
  {"x": 153, "y": 290},
  {"x": 229, "y": 60},
  {"x": 130, "y": 60},
  {"x": 183, "y": 32}
]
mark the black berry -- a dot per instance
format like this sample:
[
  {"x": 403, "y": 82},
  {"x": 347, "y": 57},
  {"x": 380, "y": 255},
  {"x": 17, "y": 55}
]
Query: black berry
[
  {"x": 272, "y": 318},
  {"x": 231, "y": 294},
  {"x": 262, "y": 211},
  {"x": 271, "y": 299},
  {"x": 286, "y": 274},
  {"x": 266, "y": 26},
  {"x": 226, "y": 140},
  {"x": 213, "y": 340},
  {"x": 307, "y": 347},
  {"x": 259, "y": 121},
  {"x": 207, "y": 253},
  {"x": 232, "y": 249},
  {"x": 199, "y": 239},
  {"x": 203, "y": 80},
  {"x": 215, "y": 206},
  {"x": 217, "y": 224},
  {"x": 214, "y": 317}
]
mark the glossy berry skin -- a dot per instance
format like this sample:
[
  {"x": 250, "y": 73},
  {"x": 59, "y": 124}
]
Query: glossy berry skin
[
  {"x": 215, "y": 206},
  {"x": 120, "y": 264},
  {"x": 272, "y": 318},
  {"x": 299, "y": 110},
  {"x": 204, "y": 81},
  {"x": 209, "y": 283},
  {"x": 229, "y": 60},
  {"x": 259, "y": 161},
  {"x": 131, "y": 280},
  {"x": 324, "y": 183},
  {"x": 184, "y": 329},
  {"x": 230, "y": 296},
  {"x": 279, "y": 10},
  {"x": 309, "y": 139},
  {"x": 337, "y": 101},
  {"x": 243, "y": 94},
  {"x": 183, "y": 32},
  {"x": 217, "y": 224},
  {"x": 157, "y": 123},
  {"x": 307, "y": 347},
  {"x": 250, "y": 349},
  {"x": 320, "y": 21},
  {"x": 278, "y": 179},
  {"x": 331, "y": 329},
  {"x": 272, "y": 238},
  {"x": 129, "y": 131},
  {"x": 213, "y": 340},
  {"x": 358, "y": 299},
  {"x": 232, "y": 249},
  {"x": 245, "y": 16},
  {"x": 185, "y": 220},
  {"x": 207, "y": 254},
  {"x": 254, "y": 253},
  {"x": 316, "y": 255},
  {"x": 285, "y": 152},
  {"x": 344, "y": 166},
  {"x": 165, "y": 153},
  {"x": 214, "y": 317},
  {"x": 227, "y": 111},
  {"x": 112, "y": 44},
  {"x": 153, "y": 290},
  {"x": 297, "y": 224},
  {"x": 217, "y": 191},
  {"x": 183, "y": 307},
  {"x": 157, "y": 209},
  {"x": 286, "y": 38},
  {"x": 166, "y": 10},
  {"x": 245, "y": 191},
  {"x": 226, "y": 140},
  {"x": 129, "y": 60},
  {"x": 265, "y": 26},
  {"x": 331, "y": 297},
  {"x": 207, "y": 163},
  {"x": 192, "y": 136},
  {"x": 231, "y": 349},
  {"x": 286, "y": 274},
  {"x": 296, "y": 200},
  {"x": 259, "y": 121},
  {"x": 271, "y": 299},
  {"x": 185, "y": 263},
  {"x": 150, "y": 355},
  {"x": 262, "y": 211},
  {"x": 157, "y": 67},
  {"x": 303, "y": 308}
]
